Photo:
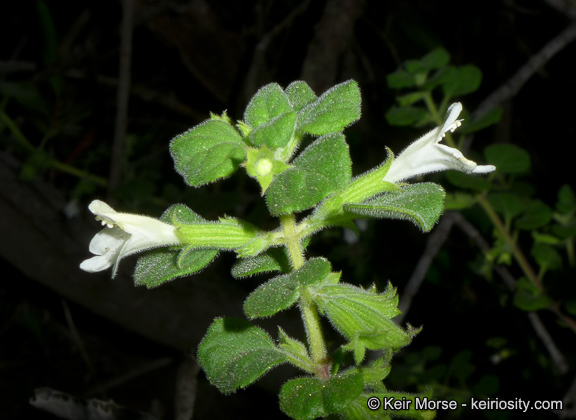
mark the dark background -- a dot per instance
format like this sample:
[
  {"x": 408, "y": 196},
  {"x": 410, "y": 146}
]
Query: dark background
[{"x": 94, "y": 337}]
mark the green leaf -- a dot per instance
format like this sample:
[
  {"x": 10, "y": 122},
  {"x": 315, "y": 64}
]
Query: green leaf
[
  {"x": 509, "y": 205},
  {"x": 439, "y": 77},
  {"x": 300, "y": 94},
  {"x": 272, "y": 297},
  {"x": 376, "y": 371},
  {"x": 267, "y": 104},
  {"x": 275, "y": 133},
  {"x": 333, "y": 111},
  {"x": 546, "y": 256},
  {"x": 461, "y": 366},
  {"x": 295, "y": 351},
  {"x": 234, "y": 353},
  {"x": 319, "y": 171},
  {"x": 545, "y": 238},
  {"x": 207, "y": 152},
  {"x": 435, "y": 59},
  {"x": 528, "y": 297},
  {"x": 422, "y": 204},
  {"x": 283, "y": 291},
  {"x": 179, "y": 214},
  {"x": 486, "y": 120},
  {"x": 508, "y": 158},
  {"x": 458, "y": 201},
  {"x": 164, "y": 264},
  {"x": 566, "y": 200},
  {"x": 463, "y": 80},
  {"x": 400, "y": 79},
  {"x": 274, "y": 259},
  {"x": 471, "y": 182},
  {"x": 310, "y": 398},
  {"x": 410, "y": 98},
  {"x": 535, "y": 214},
  {"x": 362, "y": 316},
  {"x": 406, "y": 407},
  {"x": 406, "y": 115}
]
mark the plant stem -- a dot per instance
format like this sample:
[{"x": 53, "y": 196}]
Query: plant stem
[
  {"x": 292, "y": 240},
  {"x": 362, "y": 187},
  {"x": 62, "y": 167},
  {"x": 432, "y": 108},
  {"x": 518, "y": 255},
  {"x": 314, "y": 333},
  {"x": 307, "y": 306}
]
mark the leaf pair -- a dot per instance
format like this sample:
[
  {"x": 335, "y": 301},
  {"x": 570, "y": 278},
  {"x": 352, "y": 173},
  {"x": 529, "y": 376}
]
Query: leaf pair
[{"x": 275, "y": 119}]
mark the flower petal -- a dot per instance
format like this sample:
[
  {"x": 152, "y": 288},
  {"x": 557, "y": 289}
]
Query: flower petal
[
  {"x": 108, "y": 239},
  {"x": 450, "y": 123},
  {"x": 426, "y": 155},
  {"x": 96, "y": 264},
  {"x": 124, "y": 235}
]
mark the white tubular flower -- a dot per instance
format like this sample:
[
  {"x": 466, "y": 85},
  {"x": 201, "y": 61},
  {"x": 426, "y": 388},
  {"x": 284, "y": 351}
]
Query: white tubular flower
[
  {"x": 124, "y": 234},
  {"x": 426, "y": 155}
]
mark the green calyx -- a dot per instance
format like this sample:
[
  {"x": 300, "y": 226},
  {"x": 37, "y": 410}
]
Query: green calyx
[{"x": 261, "y": 164}]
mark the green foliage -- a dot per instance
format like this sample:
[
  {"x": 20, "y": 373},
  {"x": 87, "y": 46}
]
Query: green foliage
[
  {"x": 207, "y": 152},
  {"x": 310, "y": 398},
  {"x": 235, "y": 353},
  {"x": 271, "y": 117},
  {"x": 422, "y": 204},
  {"x": 333, "y": 111},
  {"x": 433, "y": 72},
  {"x": 275, "y": 259},
  {"x": 461, "y": 180},
  {"x": 364, "y": 317},
  {"x": 462, "y": 81},
  {"x": 534, "y": 215},
  {"x": 321, "y": 169},
  {"x": 406, "y": 115},
  {"x": 262, "y": 165},
  {"x": 299, "y": 94},
  {"x": 486, "y": 120},
  {"x": 283, "y": 291},
  {"x": 508, "y": 158},
  {"x": 295, "y": 351},
  {"x": 508, "y": 204},
  {"x": 164, "y": 264},
  {"x": 269, "y": 103},
  {"x": 529, "y": 297}
]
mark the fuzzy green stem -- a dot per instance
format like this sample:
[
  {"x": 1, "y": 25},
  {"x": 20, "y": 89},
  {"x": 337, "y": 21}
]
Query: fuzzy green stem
[
  {"x": 366, "y": 186},
  {"x": 432, "y": 108},
  {"x": 314, "y": 333},
  {"x": 362, "y": 187},
  {"x": 518, "y": 255},
  {"x": 292, "y": 240},
  {"x": 308, "y": 308}
]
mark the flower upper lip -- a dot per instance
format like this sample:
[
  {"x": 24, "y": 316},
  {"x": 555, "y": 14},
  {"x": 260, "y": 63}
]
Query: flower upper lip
[
  {"x": 426, "y": 155},
  {"x": 124, "y": 234}
]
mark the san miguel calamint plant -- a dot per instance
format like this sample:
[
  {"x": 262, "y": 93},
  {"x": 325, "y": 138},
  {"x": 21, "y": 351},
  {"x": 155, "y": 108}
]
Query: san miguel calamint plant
[{"x": 234, "y": 353}]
